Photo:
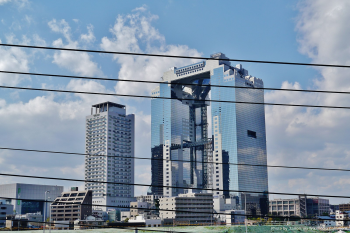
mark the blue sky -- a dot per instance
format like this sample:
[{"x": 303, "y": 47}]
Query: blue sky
[{"x": 292, "y": 31}]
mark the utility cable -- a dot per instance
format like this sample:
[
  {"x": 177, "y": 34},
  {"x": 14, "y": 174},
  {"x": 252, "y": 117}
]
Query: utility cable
[
  {"x": 162, "y": 186},
  {"x": 184, "y": 161},
  {"x": 170, "y": 98},
  {"x": 174, "y": 56},
  {"x": 177, "y": 83}
]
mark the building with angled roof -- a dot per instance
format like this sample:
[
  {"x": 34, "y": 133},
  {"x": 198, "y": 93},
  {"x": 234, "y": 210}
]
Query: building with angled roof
[{"x": 71, "y": 206}]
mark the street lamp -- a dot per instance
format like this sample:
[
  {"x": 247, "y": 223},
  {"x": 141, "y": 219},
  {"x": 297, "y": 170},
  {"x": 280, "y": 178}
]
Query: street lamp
[
  {"x": 245, "y": 212},
  {"x": 49, "y": 215},
  {"x": 46, "y": 192}
]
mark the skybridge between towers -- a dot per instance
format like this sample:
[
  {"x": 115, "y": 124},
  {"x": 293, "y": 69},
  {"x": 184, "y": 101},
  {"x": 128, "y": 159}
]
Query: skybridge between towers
[{"x": 180, "y": 132}]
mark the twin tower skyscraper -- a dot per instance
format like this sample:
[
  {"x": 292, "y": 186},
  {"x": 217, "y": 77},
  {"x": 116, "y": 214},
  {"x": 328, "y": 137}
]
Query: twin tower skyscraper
[
  {"x": 197, "y": 143},
  {"x": 204, "y": 138}
]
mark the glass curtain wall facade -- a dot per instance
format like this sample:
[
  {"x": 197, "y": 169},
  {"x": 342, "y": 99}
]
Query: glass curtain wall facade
[
  {"x": 238, "y": 133},
  {"x": 180, "y": 133}
]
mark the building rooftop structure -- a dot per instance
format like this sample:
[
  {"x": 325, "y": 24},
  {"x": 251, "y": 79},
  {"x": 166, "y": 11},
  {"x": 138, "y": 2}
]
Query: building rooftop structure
[
  {"x": 110, "y": 131},
  {"x": 71, "y": 206},
  {"x": 180, "y": 131},
  {"x": 32, "y": 195},
  {"x": 188, "y": 208}
]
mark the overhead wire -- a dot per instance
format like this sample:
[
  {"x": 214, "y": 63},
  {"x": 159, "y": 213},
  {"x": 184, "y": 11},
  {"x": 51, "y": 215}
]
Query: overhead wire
[
  {"x": 170, "y": 98},
  {"x": 173, "y": 56},
  {"x": 178, "y": 83},
  {"x": 187, "y": 84},
  {"x": 175, "y": 187},
  {"x": 174, "y": 160}
]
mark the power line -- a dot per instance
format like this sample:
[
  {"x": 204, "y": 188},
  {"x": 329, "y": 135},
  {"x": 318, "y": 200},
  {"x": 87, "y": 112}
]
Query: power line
[
  {"x": 179, "y": 83},
  {"x": 185, "y": 161},
  {"x": 170, "y": 98},
  {"x": 175, "y": 56},
  {"x": 162, "y": 186}
]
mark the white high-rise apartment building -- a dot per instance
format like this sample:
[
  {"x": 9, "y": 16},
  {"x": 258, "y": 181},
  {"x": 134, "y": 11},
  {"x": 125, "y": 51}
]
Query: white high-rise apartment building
[{"x": 109, "y": 131}]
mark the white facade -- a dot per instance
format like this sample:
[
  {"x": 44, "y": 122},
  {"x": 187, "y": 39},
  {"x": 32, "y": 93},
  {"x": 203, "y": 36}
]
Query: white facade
[
  {"x": 32, "y": 217},
  {"x": 148, "y": 222},
  {"x": 189, "y": 208},
  {"x": 148, "y": 198},
  {"x": 137, "y": 208},
  {"x": 109, "y": 131},
  {"x": 124, "y": 215},
  {"x": 222, "y": 204},
  {"x": 285, "y": 207},
  {"x": 342, "y": 218}
]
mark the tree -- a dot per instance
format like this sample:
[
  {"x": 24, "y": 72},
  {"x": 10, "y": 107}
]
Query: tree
[{"x": 126, "y": 220}]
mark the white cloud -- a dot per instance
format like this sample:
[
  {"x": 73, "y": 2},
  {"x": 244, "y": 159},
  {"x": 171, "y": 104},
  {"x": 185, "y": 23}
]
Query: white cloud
[
  {"x": 38, "y": 40},
  {"x": 135, "y": 33},
  {"x": 77, "y": 62},
  {"x": 13, "y": 59},
  {"x": 88, "y": 38},
  {"x": 28, "y": 19},
  {"x": 56, "y": 121},
  {"x": 50, "y": 123},
  {"x": 141, "y": 8},
  {"x": 314, "y": 137},
  {"x": 19, "y": 3},
  {"x": 4, "y": 1}
]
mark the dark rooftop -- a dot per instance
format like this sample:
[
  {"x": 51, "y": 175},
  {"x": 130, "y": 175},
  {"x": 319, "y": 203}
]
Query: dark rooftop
[{"x": 109, "y": 104}]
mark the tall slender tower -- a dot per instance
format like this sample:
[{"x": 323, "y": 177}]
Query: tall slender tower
[
  {"x": 109, "y": 131},
  {"x": 180, "y": 132}
]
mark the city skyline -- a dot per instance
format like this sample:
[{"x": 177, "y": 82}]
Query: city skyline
[{"x": 50, "y": 121}]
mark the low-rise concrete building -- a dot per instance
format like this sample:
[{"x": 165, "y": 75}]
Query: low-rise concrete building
[
  {"x": 316, "y": 206},
  {"x": 302, "y": 207},
  {"x": 234, "y": 217},
  {"x": 189, "y": 208},
  {"x": 326, "y": 221},
  {"x": 285, "y": 207},
  {"x": 124, "y": 215},
  {"x": 148, "y": 198},
  {"x": 157, "y": 222},
  {"x": 71, "y": 206},
  {"x": 31, "y": 217},
  {"x": 32, "y": 195},
  {"x": 344, "y": 207},
  {"x": 89, "y": 223},
  {"x": 342, "y": 218},
  {"x": 5, "y": 209},
  {"x": 221, "y": 204},
  {"x": 137, "y": 208}
]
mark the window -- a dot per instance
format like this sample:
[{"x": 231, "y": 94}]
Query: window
[{"x": 251, "y": 134}]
